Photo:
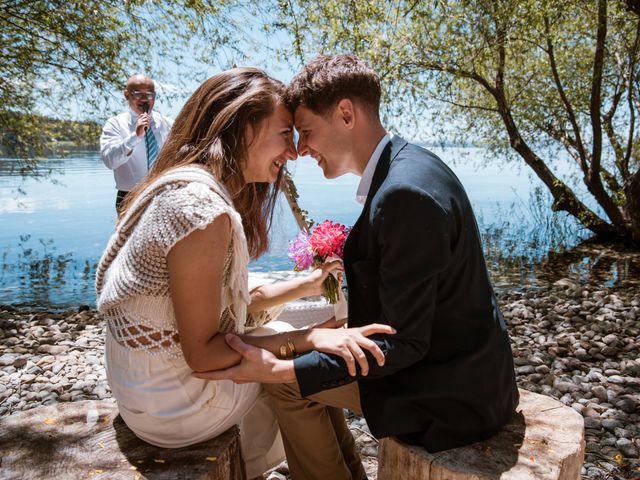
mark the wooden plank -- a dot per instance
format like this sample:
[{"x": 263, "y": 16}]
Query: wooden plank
[
  {"x": 89, "y": 439},
  {"x": 544, "y": 441}
]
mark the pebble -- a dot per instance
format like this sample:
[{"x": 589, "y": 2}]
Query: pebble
[
  {"x": 577, "y": 343},
  {"x": 600, "y": 392},
  {"x": 592, "y": 349}
]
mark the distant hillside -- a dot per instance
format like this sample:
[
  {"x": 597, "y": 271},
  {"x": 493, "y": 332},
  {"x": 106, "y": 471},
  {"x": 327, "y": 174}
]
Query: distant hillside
[{"x": 32, "y": 135}]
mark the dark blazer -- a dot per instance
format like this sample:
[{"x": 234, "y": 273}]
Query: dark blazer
[{"x": 413, "y": 260}]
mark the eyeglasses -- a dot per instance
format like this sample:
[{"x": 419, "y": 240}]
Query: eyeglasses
[{"x": 139, "y": 95}]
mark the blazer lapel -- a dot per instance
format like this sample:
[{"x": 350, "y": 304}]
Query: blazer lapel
[{"x": 382, "y": 169}]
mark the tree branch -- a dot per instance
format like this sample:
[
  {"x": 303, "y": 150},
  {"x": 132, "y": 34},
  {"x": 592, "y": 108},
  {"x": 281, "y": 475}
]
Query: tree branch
[
  {"x": 630, "y": 96},
  {"x": 596, "y": 88},
  {"x": 465, "y": 106},
  {"x": 564, "y": 198},
  {"x": 567, "y": 105},
  {"x": 594, "y": 183}
]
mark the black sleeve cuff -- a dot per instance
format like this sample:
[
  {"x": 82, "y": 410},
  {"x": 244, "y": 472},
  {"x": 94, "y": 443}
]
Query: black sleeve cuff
[{"x": 316, "y": 371}]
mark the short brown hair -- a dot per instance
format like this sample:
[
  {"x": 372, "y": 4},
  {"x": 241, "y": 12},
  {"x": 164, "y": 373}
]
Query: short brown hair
[
  {"x": 211, "y": 131},
  {"x": 326, "y": 80}
]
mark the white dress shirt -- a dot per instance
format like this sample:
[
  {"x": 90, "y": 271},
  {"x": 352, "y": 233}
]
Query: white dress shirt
[
  {"x": 124, "y": 152},
  {"x": 367, "y": 175}
]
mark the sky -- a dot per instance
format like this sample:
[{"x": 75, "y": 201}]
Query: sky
[
  {"x": 174, "y": 87},
  {"x": 175, "y": 84}
]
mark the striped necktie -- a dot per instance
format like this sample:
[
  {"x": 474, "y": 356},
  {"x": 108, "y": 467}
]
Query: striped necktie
[{"x": 152, "y": 148}]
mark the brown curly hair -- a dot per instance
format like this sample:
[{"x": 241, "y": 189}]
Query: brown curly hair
[{"x": 327, "y": 79}]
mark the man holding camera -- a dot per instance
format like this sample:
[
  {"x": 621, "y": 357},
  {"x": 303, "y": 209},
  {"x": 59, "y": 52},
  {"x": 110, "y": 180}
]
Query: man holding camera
[{"x": 130, "y": 142}]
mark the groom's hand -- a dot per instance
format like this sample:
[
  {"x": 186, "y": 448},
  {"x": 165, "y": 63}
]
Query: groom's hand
[{"x": 257, "y": 365}]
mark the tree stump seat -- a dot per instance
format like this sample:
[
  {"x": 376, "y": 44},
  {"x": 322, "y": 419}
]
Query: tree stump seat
[
  {"x": 544, "y": 440},
  {"x": 89, "y": 440}
]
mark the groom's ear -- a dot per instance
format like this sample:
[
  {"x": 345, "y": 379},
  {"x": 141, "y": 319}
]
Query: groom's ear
[{"x": 346, "y": 113}]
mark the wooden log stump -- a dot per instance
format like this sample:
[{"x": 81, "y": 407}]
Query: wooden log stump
[
  {"x": 544, "y": 440},
  {"x": 89, "y": 440}
]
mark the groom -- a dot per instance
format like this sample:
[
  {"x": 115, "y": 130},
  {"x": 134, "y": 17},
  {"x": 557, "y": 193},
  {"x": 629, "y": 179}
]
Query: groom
[{"x": 413, "y": 260}]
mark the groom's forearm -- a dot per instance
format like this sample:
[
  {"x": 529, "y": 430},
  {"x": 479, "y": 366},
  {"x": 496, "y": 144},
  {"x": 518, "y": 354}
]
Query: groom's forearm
[{"x": 316, "y": 371}]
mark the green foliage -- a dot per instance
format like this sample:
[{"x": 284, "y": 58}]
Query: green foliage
[
  {"x": 528, "y": 78},
  {"x": 55, "y": 53},
  {"x": 23, "y": 133}
]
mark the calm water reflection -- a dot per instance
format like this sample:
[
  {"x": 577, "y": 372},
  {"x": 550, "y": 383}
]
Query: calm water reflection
[{"x": 53, "y": 230}]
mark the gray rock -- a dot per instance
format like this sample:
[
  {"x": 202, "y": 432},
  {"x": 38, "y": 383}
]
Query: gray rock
[
  {"x": 525, "y": 370},
  {"x": 582, "y": 354},
  {"x": 56, "y": 367},
  {"x": 600, "y": 392},
  {"x": 608, "y": 441},
  {"x": 611, "y": 424},
  {"x": 623, "y": 442},
  {"x": 617, "y": 379},
  {"x": 627, "y": 405},
  {"x": 578, "y": 407},
  {"x": 630, "y": 451},
  {"x": 92, "y": 360},
  {"x": 595, "y": 376},
  {"x": 535, "y": 360},
  {"x": 520, "y": 361},
  {"x": 623, "y": 433},
  {"x": 7, "y": 359},
  {"x": 52, "y": 349},
  {"x": 609, "y": 351},
  {"x": 592, "y": 422},
  {"x": 565, "y": 387},
  {"x": 592, "y": 447}
]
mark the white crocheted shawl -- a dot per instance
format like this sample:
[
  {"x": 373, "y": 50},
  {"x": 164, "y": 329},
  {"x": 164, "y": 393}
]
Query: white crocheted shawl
[{"x": 132, "y": 279}]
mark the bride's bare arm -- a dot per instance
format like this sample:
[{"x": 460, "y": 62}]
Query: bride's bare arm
[
  {"x": 270, "y": 295},
  {"x": 196, "y": 266}
]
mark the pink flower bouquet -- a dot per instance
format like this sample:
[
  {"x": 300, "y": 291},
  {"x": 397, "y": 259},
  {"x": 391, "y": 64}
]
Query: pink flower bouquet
[{"x": 324, "y": 243}]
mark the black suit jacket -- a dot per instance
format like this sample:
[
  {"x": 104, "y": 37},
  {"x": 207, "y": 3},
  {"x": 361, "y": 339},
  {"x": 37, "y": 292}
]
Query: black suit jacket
[{"x": 413, "y": 260}]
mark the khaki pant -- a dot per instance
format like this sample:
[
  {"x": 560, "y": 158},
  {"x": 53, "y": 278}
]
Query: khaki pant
[{"x": 317, "y": 441}]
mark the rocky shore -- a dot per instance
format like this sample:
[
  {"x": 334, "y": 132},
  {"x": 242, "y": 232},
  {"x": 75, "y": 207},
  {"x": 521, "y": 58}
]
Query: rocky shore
[{"x": 574, "y": 342}]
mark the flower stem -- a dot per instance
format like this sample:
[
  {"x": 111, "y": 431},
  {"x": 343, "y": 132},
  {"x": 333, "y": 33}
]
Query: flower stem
[{"x": 331, "y": 286}]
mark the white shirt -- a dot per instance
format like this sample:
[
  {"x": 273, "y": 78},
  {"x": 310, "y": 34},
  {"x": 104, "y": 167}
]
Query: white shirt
[
  {"x": 367, "y": 175},
  {"x": 119, "y": 138}
]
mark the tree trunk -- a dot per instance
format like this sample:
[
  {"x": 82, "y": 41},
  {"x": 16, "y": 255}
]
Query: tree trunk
[
  {"x": 632, "y": 192},
  {"x": 544, "y": 440},
  {"x": 291, "y": 194}
]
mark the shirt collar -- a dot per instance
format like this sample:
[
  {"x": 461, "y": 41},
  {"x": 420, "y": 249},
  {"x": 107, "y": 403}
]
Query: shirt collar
[{"x": 367, "y": 175}]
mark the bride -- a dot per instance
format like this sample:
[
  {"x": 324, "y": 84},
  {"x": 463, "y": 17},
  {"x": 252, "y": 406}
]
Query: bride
[{"x": 173, "y": 277}]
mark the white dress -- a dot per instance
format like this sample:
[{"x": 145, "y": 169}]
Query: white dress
[
  {"x": 164, "y": 405},
  {"x": 157, "y": 396}
]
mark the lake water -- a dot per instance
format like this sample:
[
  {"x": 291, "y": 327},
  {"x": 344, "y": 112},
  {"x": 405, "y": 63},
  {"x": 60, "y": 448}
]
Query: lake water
[{"x": 53, "y": 230}]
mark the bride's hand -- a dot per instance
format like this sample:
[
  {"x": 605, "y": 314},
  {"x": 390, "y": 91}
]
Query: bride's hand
[
  {"x": 317, "y": 276},
  {"x": 350, "y": 344}
]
